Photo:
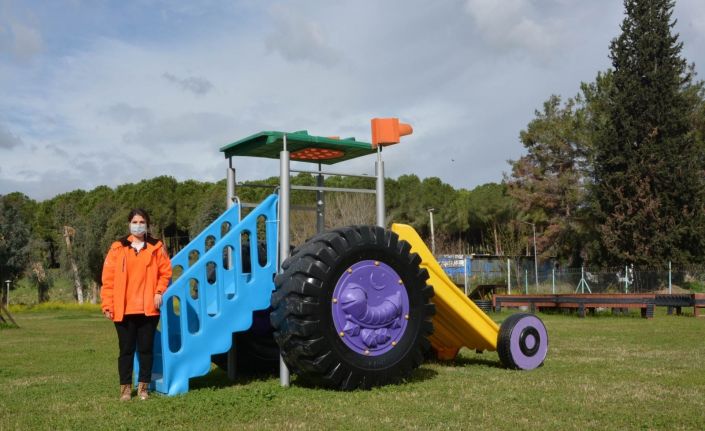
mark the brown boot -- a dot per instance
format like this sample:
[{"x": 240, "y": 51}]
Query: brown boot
[
  {"x": 125, "y": 392},
  {"x": 142, "y": 390}
]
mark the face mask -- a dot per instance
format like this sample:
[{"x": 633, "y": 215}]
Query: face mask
[{"x": 137, "y": 229}]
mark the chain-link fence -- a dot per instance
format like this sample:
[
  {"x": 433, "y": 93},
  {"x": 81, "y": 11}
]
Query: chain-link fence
[{"x": 518, "y": 276}]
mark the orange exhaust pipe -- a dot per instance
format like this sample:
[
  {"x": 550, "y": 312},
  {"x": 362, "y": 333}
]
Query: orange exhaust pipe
[{"x": 388, "y": 131}]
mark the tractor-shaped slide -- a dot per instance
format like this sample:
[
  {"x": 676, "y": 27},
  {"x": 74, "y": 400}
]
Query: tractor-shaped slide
[{"x": 352, "y": 307}]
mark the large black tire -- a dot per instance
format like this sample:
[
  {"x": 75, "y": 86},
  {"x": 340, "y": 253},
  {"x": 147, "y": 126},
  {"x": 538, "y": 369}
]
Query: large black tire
[
  {"x": 303, "y": 309},
  {"x": 255, "y": 349},
  {"x": 522, "y": 343}
]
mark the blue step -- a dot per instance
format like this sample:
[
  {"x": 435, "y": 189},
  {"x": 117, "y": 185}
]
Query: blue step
[{"x": 198, "y": 322}]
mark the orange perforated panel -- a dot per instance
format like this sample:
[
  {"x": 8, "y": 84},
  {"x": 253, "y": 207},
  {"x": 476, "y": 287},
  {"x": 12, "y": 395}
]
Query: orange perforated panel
[{"x": 312, "y": 153}]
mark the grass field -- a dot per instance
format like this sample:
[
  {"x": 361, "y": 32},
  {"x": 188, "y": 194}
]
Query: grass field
[{"x": 58, "y": 371}]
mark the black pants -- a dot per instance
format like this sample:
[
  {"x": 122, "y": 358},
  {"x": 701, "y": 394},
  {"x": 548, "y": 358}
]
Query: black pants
[{"x": 136, "y": 331}]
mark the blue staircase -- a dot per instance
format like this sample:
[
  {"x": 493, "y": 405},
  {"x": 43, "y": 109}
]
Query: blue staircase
[{"x": 200, "y": 314}]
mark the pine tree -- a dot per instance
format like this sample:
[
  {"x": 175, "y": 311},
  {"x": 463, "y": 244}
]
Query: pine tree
[{"x": 648, "y": 177}]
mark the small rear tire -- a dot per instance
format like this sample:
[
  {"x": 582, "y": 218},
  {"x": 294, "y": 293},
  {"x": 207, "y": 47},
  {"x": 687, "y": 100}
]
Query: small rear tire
[{"x": 522, "y": 343}]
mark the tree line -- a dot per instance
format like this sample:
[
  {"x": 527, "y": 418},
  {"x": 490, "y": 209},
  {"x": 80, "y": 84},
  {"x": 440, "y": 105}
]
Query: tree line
[
  {"x": 611, "y": 176},
  {"x": 74, "y": 230}
]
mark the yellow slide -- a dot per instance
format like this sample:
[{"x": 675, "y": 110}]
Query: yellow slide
[{"x": 458, "y": 321}]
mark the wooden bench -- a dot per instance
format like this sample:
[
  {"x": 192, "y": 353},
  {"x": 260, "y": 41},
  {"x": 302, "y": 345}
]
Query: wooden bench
[
  {"x": 698, "y": 303},
  {"x": 582, "y": 303}
]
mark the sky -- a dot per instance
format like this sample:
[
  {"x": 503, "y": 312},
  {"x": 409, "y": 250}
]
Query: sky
[{"x": 101, "y": 92}]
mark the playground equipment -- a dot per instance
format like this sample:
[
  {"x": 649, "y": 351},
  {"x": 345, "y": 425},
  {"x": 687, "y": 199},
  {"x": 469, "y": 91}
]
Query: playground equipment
[{"x": 352, "y": 307}]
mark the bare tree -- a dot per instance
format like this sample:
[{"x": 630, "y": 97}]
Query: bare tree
[
  {"x": 69, "y": 233},
  {"x": 38, "y": 273},
  {"x": 346, "y": 209}
]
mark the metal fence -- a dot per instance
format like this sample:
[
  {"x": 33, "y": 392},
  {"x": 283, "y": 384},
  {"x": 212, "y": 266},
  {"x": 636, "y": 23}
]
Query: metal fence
[{"x": 517, "y": 276}]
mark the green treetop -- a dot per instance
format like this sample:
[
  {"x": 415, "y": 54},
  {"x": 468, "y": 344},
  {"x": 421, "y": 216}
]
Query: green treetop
[{"x": 647, "y": 163}]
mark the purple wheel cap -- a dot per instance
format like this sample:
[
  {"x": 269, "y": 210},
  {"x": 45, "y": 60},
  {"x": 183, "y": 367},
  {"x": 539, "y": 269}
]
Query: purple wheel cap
[
  {"x": 370, "y": 308},
  {"x": 528, "y": 344}
]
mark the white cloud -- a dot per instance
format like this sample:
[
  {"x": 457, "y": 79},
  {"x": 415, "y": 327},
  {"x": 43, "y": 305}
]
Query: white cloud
[
  {"x": 691, "y": 26},
  {"x": 195, "y": 84},
  {"x": 44, "y": 186},
  {"x": 27, "y": 41},
  {"x": 57, "y": 151},
  {"x": 8, "y": 139},
  {"x": 22, "y": 40},
  {"x": 130, "y": 103},
  {"x": 187, "y": 128},
  {"x": 124, "y": 113},
  {"x": 510, "y": 24},
  {"x": 297, "y": 38}
]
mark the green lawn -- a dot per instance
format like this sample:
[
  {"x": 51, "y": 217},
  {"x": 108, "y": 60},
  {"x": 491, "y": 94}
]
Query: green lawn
[
  {"x": 58, "y": 371},
  {"x": 24, "y": 291}
]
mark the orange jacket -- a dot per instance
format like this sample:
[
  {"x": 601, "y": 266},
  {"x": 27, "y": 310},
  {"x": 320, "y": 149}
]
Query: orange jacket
[{"x": 157, "y": 274}]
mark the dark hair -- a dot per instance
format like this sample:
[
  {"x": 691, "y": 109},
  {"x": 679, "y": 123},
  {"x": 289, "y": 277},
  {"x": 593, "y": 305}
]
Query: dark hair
[{"x": 139, "y": 212}]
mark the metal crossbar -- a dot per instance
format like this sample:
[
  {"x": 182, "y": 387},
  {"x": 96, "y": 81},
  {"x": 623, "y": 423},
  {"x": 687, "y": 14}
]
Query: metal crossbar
[
  {"x": 331, "y": 173},
  {"x": 333, "y": 189}
]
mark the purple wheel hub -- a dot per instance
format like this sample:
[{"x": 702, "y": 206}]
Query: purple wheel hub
[
  {"x": 528, "y": 343},
  {"x": 370, "y": 308}
]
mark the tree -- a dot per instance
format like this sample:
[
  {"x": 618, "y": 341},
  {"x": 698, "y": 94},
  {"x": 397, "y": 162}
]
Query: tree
[
  {"x": 189, "y": 196},
  {"x": 210, "y": 206},
  {"x": 458, "y": 213},
  {"x": 67, "y": 221},
  {"x": 158, "y": 197},
  {"x": 437, "y": 195},
  {"x": 15, "y": 210},
  {"x": 492, "y": 209},
  {"x": 92, "y": 243},
  {"x": 409, "y": 198},
  {"x": 549, "y": 183},
  {"x": 403, "y": 201},
  {"x": 649, "y": 189}
]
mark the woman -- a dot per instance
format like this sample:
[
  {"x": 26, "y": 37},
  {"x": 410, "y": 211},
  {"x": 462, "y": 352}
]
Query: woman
[{"x": 136, "y": 273}]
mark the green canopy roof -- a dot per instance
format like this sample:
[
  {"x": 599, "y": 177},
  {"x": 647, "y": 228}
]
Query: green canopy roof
[{"x": 302, "y": 147}]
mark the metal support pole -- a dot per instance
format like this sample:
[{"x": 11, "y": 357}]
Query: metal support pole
[
  {"x": 229, "y": 202},
  {"x": 7, "y": 293},
  {"x": 526, "y": 282},
  {"x": 583, "y": 283},
  {"x": 536, "y": 259},
  {"x": 320, "y": 203},
  {"x": 433, "y": 237},
  {"x": 284, "y": 243},
  {"x": 553, "y": 281},
  {"x": 509, "y": 277},
  {"x": 379, "y": 171},
  {"x": 669, "y": 278},
  {"x": 230, "y": 184},
  {"x": 465, "y": 274},
  {"x": 626, "y": 279}
]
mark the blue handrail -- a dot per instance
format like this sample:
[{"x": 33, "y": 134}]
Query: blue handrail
[{"x": 199, "y": 313}]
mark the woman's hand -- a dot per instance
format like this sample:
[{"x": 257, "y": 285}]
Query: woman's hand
[
  {"x": 157, "y": 300},
  {"x": 108, "y": 314}
]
